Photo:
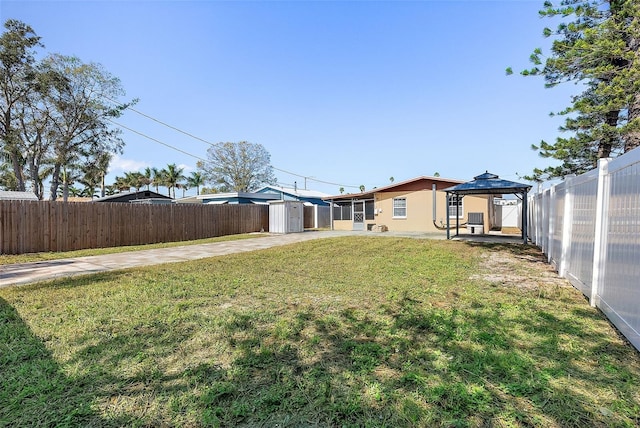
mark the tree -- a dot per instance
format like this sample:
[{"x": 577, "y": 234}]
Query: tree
[
  {"x": 208, "y": 190},
  {"x": 598, "y": 48},
  {"x": 135, "y": 179},
  {"x": 238, "y": 167},
  {"x": 157, "y": 178},
  {"x": 172, "y": 178},
  {"x": 195, "y": 180},
  {"x": 362, "y": 188},
  {"x": 148, "y": 177},
  {"x": 54, "y": 114},
  {"x": 16, "y": 77},
  {"x": 121, "y": 184},
  {"x": 82, "y": 117}
]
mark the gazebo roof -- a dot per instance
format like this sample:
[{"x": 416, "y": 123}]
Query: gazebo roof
[{"x": 488, "y": 184}]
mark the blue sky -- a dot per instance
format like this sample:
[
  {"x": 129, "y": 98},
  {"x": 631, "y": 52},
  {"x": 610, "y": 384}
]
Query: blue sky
[{"x": 346, "y": 92}]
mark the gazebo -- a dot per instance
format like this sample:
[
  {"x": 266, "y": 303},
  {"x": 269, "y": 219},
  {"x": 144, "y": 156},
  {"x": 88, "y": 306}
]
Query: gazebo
[{"x": 489, "y": 184}]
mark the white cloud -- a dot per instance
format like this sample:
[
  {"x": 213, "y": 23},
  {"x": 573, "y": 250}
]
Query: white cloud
[
  {"x": 186, "y": 168},
  {"x": 119, "y": 164}
]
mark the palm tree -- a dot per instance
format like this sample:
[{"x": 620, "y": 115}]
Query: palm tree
[
  {"x": 135, "y": 179},
  {"x": 148, "y": 177},
  {"x": 184, "y": 186},
  {"x": 69, "y": 177},
  {"x": 157, "y": 177},
  {"x": 172, "y": 177},
  {"x": 121, "y": 184},
  {"x": 195, "y": 180}
]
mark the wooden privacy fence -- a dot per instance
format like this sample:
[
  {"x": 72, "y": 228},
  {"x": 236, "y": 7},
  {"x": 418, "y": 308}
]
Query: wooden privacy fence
[
  {"x": 35, "y": 226},
  {"x": 317, "y": 217}
]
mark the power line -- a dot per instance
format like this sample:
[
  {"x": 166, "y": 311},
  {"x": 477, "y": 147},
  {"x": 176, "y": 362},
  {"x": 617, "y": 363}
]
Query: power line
[
  {"x": 156, "y": 140},
  {"x": 163, "y": 123},
  {"x": 206, "y": 142}
]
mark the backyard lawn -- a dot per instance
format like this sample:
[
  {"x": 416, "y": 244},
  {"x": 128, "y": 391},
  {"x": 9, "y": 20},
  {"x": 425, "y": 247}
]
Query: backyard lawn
[{"x": 344, "y": 332}]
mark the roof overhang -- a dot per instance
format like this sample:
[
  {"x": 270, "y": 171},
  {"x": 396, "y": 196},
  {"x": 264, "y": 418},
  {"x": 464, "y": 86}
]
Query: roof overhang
[{"x": 488, "y": 184}]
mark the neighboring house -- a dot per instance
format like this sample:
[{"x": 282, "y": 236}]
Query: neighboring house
[
  {"x": 293, "y": 194},
  {"x": 142, "y": 196},
  {"x": 261, "y": 196},
  {"x": 316, "y": 209},
  {"x": 416, "y": 205},
  {"x": 10, "y": 195}
]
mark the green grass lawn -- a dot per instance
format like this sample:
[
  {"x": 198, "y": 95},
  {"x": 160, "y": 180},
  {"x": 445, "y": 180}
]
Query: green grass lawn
[
  {"x": 344, "y": 332},
  {"x": 6, "y": 259}
]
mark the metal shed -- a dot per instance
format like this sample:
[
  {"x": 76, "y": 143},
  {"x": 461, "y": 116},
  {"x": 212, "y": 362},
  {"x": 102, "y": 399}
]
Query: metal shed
[
  {"x": 286, "y": 216},
  {"x": 490, "y": 184}
]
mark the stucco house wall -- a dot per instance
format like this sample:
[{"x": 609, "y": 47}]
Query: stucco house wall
[
  {"x": 419, "y": 216},
  {"x": 418, "y": 194}
]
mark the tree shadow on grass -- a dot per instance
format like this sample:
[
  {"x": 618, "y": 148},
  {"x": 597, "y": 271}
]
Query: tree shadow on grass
[
  {"x": 351, "y": 369},
  {"x": 403, "y": 363},
  {"x": 79, "y": 280},
  {"x": 33, "y": 389}
]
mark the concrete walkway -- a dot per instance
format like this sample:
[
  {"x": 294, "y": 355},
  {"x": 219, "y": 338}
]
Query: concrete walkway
[{"x": 26, "y": 273}]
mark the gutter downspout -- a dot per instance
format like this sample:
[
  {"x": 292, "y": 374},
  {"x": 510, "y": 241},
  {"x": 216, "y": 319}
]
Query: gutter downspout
[{"x": 448, "y": 221}]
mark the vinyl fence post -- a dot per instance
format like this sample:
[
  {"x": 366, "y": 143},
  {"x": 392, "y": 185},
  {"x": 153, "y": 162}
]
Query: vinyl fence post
[
  {"x": 552, "y": 222},
  {"x": 567, "y": 221},
  {"x": 600, "y": 239}
]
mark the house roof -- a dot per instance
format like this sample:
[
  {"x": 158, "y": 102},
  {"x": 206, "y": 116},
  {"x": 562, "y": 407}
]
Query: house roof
[
  {"x": 260, "y": 196},
  {"x": 230, "y": 195},
  {"x": 11, "y": 195},
  {"x": 488, "y": 184},
  {"x": 301, "y": 193},
  {"x": 128, "y": 196},
  {"x": 395, "y": 186}
]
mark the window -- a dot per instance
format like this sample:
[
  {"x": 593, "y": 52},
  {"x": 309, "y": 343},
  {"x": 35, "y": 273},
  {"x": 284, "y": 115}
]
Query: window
[
  {"x": 454, "y": 201},
  {"x": 399, "y": 207},
  {"x": 369, "y": 213},
  {"x": 342, "y": 211}
]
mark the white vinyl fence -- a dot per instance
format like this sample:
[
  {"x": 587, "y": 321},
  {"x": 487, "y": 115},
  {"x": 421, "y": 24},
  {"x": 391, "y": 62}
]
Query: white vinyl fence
[{"x": 589, "y": 228}]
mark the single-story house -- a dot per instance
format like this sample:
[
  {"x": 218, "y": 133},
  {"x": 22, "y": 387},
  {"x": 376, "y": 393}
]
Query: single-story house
[
  {"x": 415, "y": 205},
  {"x": 11, "y": 195},
  {"x": 260, "y": 196},
  {"x": 141, "y": 196}
]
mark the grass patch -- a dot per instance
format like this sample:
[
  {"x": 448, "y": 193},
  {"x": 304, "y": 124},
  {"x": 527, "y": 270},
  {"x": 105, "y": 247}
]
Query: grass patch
[
  {"x": 347, "y": 332},
  {"x": 6, "y": 259}
]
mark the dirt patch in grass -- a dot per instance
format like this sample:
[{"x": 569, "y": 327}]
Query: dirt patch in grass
[{"x": 522, "y": 268}]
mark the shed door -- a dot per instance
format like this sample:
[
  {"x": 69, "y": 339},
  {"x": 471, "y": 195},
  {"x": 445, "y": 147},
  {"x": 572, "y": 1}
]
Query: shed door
[
  {"x": 295, "y": 218},
  {"x": 358, "y": 215}
]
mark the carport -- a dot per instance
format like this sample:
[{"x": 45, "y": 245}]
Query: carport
[{"x": 488, "y": 184}]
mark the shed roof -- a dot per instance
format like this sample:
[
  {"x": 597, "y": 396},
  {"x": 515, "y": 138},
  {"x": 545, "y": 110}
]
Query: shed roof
[
  {"x": 17, "y": 196},
  {"x": 488, "y": 184}
]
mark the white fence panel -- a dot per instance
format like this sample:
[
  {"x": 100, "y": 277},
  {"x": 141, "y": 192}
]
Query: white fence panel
[
  {"x": 619, "y": 290},
  {"x": 579, "y": 262},
  {"x": 589, "y": 228}
]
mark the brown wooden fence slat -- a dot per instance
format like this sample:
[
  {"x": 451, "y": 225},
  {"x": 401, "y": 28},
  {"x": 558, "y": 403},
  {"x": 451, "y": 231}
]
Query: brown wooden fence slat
[{"x": 35, "y": 226}]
